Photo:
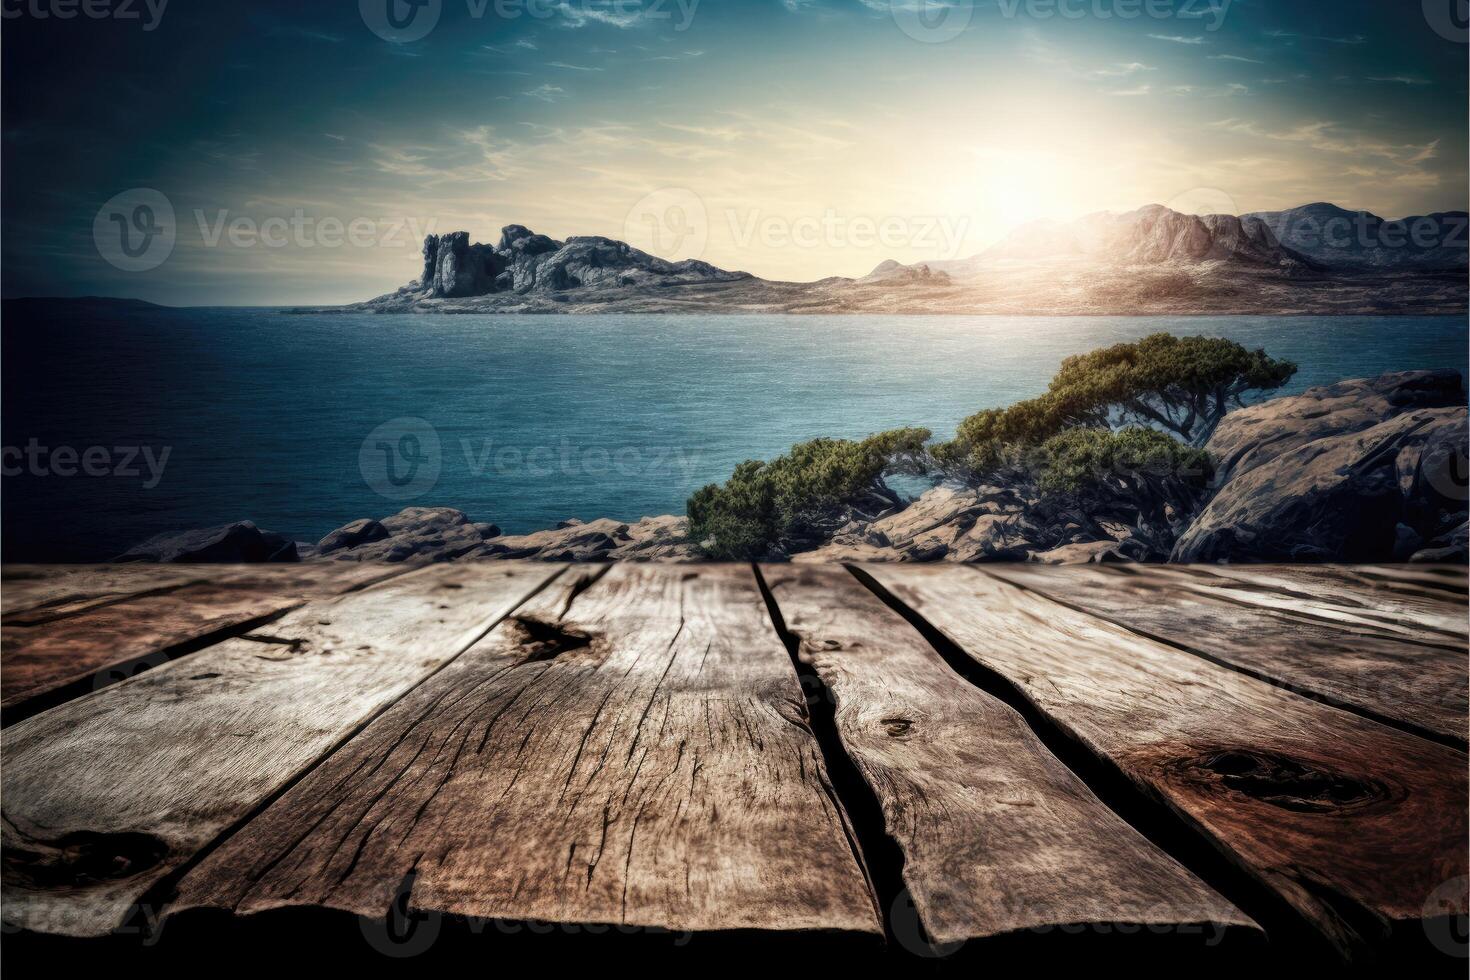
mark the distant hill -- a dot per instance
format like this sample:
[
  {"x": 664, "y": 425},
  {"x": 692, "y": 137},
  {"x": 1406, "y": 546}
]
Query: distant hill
[
  {"x": 1338, "y": 238},
  {"x": 1152, "y": 261},
  {"x": 1150, "y": 236}
]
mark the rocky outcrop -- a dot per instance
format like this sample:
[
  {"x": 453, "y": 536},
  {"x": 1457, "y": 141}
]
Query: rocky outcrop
[
  {"x": 420, "y": 534},
  {"x": 946, "y": 523},
  {"x": 527, "y": 263},
  {"x": 651, "y": 539},
  {"x": 1363, "y": 470},
  {"x": 238, "y": 542}
]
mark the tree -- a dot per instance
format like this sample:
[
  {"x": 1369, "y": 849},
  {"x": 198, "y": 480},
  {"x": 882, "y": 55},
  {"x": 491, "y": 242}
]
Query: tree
[
  {"x": 1183, "y": 385},
  {"x": 797, "y": 501}
]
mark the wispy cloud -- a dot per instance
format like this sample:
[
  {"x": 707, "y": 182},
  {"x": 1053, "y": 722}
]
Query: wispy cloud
[
  {"x": 1400, "y": 79},
  {"x": 547, "y": 93},
  {"x": 1177, "y": 39},
  {"x": 1234, "y": 57},
  {"x": 569, "y": 67}
]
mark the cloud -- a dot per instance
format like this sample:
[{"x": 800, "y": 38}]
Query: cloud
[
  {"x": 589, "y": 12},
  {"x": 1400, "y": 79},
  {"x": 1176, "y": 39},
  {"x": 726, "y": 133},
  {"x": 1118, "y": 71},
  {"x": 1234, "y": 57},
  {"x": 1136, "y": 90},
  {"x": 563, "y": 64},
  {"x": 547, "y": 93}
]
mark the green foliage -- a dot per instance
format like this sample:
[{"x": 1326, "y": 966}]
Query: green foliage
[
  {"x": 795, "y": 499},
  {"x": 1184, "y": 385},
  {"x": 1101, "y": 461}
]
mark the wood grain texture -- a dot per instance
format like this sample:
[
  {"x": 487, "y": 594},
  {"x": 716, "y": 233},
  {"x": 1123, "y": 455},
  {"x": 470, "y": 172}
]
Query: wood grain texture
[
  {"x": 997, "y": 834},
  {"x": 44, "y": 589},
  {"x": 105, "y": 795},
  {"x": 1353, "y": 823},
  {"x": 1365, "y": 668},
  {"x": 1325, "y": 593},
  {"x": 102, "y": 637},
  {"x": 635, "y": 753}
]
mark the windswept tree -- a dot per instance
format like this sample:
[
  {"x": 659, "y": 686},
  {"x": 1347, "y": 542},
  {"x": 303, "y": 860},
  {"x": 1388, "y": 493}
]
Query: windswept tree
[
  {"x": 799, "y": 500},
  {"x": 1180, "y": 385},
  {"x": 1184, "y": 385}
]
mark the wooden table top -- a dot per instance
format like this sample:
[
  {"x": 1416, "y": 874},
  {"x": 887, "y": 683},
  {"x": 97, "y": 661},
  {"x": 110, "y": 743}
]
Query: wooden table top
[{"x": 935, "y": 754}]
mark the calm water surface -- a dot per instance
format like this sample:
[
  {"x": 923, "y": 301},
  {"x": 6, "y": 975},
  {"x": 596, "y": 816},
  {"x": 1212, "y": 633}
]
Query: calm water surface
[{"x": 537, "y": 419}]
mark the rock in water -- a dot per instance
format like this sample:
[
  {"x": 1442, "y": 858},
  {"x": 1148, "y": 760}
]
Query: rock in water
[
  {"x": 238, "y": 542},
  {"x": 1362, "y": 470}
]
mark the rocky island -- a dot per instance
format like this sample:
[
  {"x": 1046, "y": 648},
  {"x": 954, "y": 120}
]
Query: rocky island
[{"x": 1317, "y": 259}]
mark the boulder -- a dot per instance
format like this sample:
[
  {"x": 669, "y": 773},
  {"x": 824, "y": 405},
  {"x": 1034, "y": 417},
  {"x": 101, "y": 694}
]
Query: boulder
[
  {"x": 1366, "y": 470},
  {"x": 570, "y": 541},
  {"x": 238, "y": 542},
  {"x": 422, "y": 534},
  {"x": 362, "y": 532}
]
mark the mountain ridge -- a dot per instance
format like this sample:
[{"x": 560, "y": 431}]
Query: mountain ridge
[{"x": 1149, "y": 261}]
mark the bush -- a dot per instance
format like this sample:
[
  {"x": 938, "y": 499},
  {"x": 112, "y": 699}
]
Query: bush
[
  {"x": 1087, "y": 461},
  {"x": 798, "y": 500}
]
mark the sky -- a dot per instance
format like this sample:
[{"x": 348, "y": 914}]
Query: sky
[{"x": 304, "y": 149}]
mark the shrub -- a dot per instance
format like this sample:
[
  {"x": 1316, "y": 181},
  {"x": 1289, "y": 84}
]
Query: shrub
[{"x": 798, "y": 500}]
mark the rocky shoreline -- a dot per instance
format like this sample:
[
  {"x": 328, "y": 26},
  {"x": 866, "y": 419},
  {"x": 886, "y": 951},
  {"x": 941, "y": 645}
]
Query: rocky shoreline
[{"x": 1363, "y": 470}]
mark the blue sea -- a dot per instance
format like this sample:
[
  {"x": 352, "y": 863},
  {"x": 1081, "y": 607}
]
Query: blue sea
[{"x": 120, "y": 424}]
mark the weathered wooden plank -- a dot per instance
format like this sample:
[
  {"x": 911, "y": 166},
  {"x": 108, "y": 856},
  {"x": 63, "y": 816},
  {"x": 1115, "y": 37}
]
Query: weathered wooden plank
[
  {"x": 26, "y": 588},
  {"x": 107, "y": 794},
  {"x": 1353, "y": 823},
  {"x": 1420, "y": 686},
  {"x": 1453, "y": 579},
  {"x": 997, "y": 834},
  {"x": 635, "y": 753},
  {"x": 109, "y": 640},
  {"x": 1326, "y": 592}
]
